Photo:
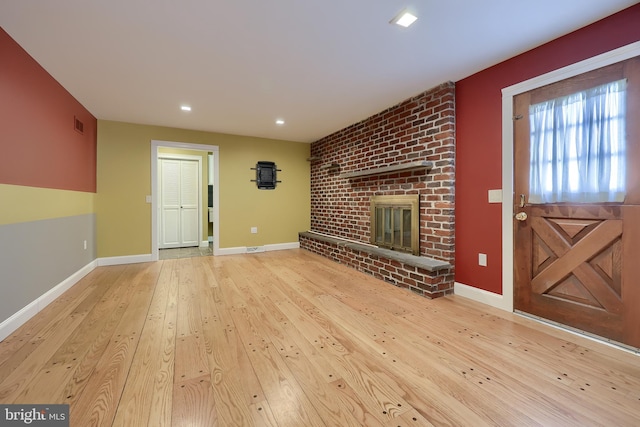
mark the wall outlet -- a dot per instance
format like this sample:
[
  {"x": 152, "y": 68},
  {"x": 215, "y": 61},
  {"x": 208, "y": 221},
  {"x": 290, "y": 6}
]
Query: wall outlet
[
  {"x": 254, "y": 230},
  {"x": 147, "y": 199},
  {"x": 85, "y": 245},
  {"x": 482, "y": 260}
]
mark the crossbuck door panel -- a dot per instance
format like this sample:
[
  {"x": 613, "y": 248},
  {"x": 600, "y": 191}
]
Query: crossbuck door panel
[
  {"x": 578, "y": 262},
  {"x": 575, "y": 268}
]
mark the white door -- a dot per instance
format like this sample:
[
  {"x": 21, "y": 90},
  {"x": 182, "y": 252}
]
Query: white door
[{"x": 179, "y": 203}]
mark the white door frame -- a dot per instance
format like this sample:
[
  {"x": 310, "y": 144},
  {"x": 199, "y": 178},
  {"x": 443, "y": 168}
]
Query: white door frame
[
  {"x": 505, "y": 301},
  {"x": 155, "y": 144},
  {"x": 198, "y": 159}
]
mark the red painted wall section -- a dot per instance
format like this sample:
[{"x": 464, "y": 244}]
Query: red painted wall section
[
  {"x": 38, "y": 141},
  {"x": 479, "y": 138}
]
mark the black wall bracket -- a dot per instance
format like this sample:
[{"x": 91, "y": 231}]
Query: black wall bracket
[{"x": 266, "y": 175}]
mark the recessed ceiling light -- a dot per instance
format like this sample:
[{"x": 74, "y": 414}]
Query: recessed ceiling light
[
  {"x": 404, "y": 18},
  {"x": 185, "y": 108},
  {"x": 280, "y": 122}
]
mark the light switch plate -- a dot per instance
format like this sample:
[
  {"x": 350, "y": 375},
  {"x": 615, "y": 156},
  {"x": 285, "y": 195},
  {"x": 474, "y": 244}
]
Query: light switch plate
[
  {"x": 147, "y": 199},
  {"x": 495, "y": 196},
  {"x": 482, "y": 260}
]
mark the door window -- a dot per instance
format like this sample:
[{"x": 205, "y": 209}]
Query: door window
[{"x": 578, "y": 146}]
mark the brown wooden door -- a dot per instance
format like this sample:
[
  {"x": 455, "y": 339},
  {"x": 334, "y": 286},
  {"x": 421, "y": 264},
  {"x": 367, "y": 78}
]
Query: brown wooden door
[{"x": 579, "y": 263}]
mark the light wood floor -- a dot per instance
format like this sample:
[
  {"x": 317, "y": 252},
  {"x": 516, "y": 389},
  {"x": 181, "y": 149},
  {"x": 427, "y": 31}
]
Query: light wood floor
[
  {"x": 290, "y": 339},
  {"x": 185, "y": 252}
]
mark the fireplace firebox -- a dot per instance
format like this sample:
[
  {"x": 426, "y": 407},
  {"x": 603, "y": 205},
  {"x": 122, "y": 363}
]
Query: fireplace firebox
[{"x": 395, "y": 222}]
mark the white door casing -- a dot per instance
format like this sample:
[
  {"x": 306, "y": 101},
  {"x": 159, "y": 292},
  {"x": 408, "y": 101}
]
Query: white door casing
[{"x": 155, "y": 202}]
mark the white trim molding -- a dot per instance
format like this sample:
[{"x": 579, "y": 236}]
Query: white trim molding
[
  {"x": 282, "y": 246},
  {"x": 257, "y": 249},
  {"x": 19, "y": 318},
  {"x": 127, "y": 259},
  {"x": 508, "y": 93},
  {"x": 480, "y": 295}
]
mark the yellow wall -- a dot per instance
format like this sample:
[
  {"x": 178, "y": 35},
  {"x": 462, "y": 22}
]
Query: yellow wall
[
  {"x": 204, "y": 183},
  {"x": 25, "y": 204},
  {"x": 124, "y": 179}
]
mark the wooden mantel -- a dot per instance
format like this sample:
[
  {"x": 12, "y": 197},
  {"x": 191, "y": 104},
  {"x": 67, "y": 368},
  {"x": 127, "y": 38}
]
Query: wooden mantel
[{"x": 403, "y": 167}]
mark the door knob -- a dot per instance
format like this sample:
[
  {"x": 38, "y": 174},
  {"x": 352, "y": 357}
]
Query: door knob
[{"x": 521, "y": 216}]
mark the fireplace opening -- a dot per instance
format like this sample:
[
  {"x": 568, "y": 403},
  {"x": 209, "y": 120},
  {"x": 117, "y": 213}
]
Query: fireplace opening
[{"x": 395, "y": 223}]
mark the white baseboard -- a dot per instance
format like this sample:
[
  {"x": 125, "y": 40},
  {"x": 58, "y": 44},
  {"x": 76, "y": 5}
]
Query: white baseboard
[
  {"x": 282, "y": 246},
  {"x": 204, "y": 244},
  {"x": 257, "y": 249},
  {"x": 232, "y": 251},
  {"x": 127, "y": 259},
  {"x": 485, "y": 297},
  {"x": 20, "y": 318}
]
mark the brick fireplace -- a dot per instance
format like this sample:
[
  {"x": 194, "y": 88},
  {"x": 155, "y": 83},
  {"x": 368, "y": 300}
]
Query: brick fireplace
[{"x": 408, "y": 149}]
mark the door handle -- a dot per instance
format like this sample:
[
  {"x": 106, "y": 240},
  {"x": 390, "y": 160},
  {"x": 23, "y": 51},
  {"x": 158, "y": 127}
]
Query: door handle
[{"x": 521, "y": 216}]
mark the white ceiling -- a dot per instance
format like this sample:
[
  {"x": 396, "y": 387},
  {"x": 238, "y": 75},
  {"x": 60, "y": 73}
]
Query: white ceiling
[{"x": 320, "y": 65}]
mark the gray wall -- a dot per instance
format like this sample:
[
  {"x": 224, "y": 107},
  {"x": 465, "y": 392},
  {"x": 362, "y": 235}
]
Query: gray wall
[{"x": 37, "y": 256}]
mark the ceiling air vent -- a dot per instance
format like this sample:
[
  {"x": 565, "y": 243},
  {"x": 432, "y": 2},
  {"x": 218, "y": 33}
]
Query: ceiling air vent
[{"x": 78, "y": 125}]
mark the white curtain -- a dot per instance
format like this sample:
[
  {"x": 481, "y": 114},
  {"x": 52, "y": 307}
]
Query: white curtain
[{"x": 578, "y": 147}]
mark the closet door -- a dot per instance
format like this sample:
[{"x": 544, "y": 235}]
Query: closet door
[
  {"x": 189, "y": 199},
  {"x": 179, "y": 200}
]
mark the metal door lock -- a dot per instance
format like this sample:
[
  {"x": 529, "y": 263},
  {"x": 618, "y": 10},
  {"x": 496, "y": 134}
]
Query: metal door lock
[{"x": 521, "y": 216}]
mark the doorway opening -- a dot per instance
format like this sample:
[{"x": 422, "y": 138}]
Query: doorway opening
[{"x": 208, "y": 200}]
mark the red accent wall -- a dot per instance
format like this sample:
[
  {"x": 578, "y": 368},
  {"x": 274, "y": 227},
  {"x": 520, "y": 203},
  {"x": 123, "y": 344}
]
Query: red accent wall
[
  {"x": 479, "y": 137},
  {"x": 39, "y": 145}
]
